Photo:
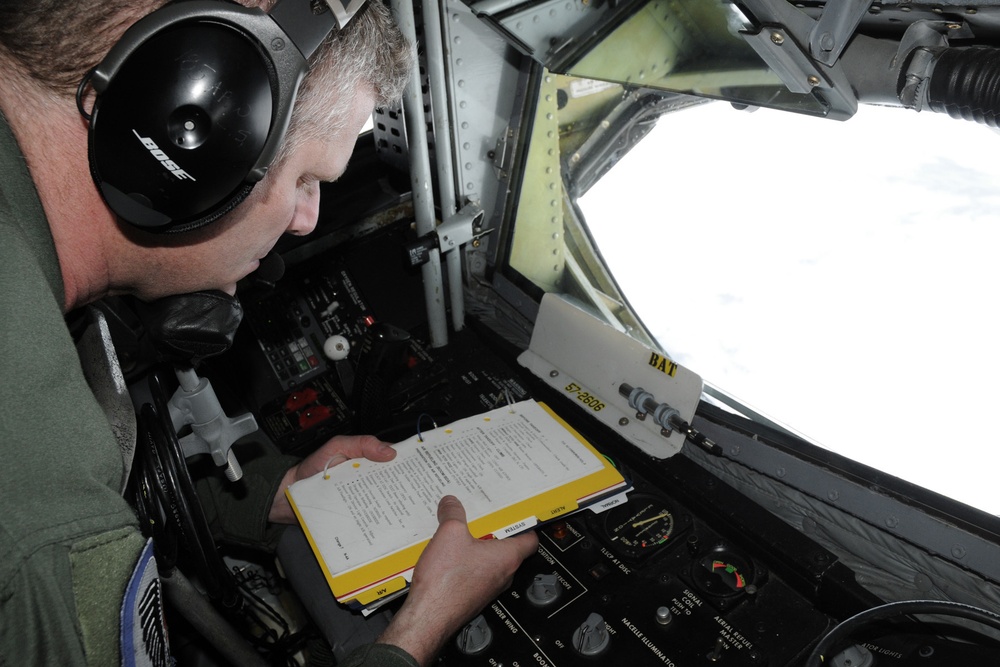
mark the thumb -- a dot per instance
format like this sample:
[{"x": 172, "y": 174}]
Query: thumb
[{"x": 449, "y": 508}]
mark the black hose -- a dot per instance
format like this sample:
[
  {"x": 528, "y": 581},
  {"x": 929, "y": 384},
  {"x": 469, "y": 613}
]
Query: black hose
[
  {"x": 965, "y": 83},
  {"x": 168, "y": 507},
  {"x": 829, "y": 643}
]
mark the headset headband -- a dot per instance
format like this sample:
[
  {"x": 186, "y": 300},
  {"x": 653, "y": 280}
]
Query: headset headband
[{"x": 345, "y": 13}]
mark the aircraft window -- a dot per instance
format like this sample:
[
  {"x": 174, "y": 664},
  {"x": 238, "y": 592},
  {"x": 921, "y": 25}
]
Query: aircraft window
[{"x": 838, "y": 277}]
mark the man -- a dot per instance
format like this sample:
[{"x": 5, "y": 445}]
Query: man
[{"x": 70, "y": 549}]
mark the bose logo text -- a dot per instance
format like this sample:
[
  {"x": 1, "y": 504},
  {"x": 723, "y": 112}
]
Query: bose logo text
[{"x": 171, "y": 166}]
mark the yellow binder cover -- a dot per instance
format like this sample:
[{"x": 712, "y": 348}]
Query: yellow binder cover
[{"x": 512, "y": 468}]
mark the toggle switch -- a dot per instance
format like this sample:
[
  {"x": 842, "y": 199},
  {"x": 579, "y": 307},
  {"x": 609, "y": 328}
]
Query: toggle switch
[
  {"x": 715, "y": 654},
  {"x": 544, "y": 590},
  {"x": 591, "y": 638}
]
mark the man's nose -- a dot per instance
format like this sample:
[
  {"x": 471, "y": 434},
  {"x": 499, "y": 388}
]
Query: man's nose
[{"x": 306, "y": 213}]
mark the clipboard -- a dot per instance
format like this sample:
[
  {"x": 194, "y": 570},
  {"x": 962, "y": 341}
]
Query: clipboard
[{"x": 513, "y": 468}]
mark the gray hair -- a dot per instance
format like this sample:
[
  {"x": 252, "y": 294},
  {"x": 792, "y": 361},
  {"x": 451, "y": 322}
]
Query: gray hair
[
  {"x": 55, "y": 43},
  {"x": 370, "y": 52}
]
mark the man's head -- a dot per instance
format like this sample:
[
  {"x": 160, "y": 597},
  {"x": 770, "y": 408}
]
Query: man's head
[{"x": 53, "y": 44}]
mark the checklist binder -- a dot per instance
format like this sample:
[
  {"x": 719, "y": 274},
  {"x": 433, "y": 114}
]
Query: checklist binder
[{"x": 513, "y": 468}]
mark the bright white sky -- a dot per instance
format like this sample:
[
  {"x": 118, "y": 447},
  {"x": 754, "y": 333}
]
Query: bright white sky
[{"x": 841, "y": 278}]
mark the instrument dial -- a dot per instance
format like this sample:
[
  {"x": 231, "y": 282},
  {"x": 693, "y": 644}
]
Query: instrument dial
[
  {"x": 723, "y": 573},
  {"x": 640, "y": 526}
]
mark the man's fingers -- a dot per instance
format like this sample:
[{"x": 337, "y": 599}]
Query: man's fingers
[
  {"x": 526, "y": 543},
  {"x": 374, "y": 449},
  {"x": 359, "y": 446}
]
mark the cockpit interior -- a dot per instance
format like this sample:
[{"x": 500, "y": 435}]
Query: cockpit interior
[{"x": 489, "y": 244}]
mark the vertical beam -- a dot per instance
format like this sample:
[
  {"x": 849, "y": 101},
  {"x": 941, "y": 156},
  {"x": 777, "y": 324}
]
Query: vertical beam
[
  {"x": 436, "y": 76},
  {"x": 420, "y": 180}
]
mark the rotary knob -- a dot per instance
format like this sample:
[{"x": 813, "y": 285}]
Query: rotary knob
[
  {"x": 544, "y": 590},
  {"x": 592, "y": 637},
  {"x": 475, "y": 637},
  {"x": 336, "y": 348}
]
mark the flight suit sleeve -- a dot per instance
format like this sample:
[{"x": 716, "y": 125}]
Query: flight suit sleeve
[
  {"x": 64, "y": 604},
  {"x": 378, "y": 655}
]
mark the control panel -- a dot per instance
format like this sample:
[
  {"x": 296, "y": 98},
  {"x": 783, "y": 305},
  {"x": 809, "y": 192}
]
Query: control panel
[
  {"x": 337, "y": 346},
  {"x": 645, "y": 583},
  {"x": 649, "y": 582}
]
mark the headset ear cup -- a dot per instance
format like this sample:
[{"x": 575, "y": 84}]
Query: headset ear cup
[{"x": 177, "y": 133}]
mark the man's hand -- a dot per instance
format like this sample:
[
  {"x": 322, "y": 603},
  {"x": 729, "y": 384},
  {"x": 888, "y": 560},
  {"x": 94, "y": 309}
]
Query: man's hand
[
  {"x": 336, "y": 450},
  {"x": 456, "y": 576}
]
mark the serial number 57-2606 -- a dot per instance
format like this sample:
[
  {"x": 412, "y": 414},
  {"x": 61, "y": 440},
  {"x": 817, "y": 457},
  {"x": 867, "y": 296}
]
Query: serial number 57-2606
[{"x": 584, "y": 397}]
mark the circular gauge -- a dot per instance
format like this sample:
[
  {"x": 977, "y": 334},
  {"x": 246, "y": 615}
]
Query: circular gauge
[
  {"x": 722, "y": 573},
  {"x": 640, "y": 526}
]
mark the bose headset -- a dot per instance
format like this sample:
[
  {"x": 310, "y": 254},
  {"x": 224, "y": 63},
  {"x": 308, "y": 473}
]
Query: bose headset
[{"x": 193, "y": 103}]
